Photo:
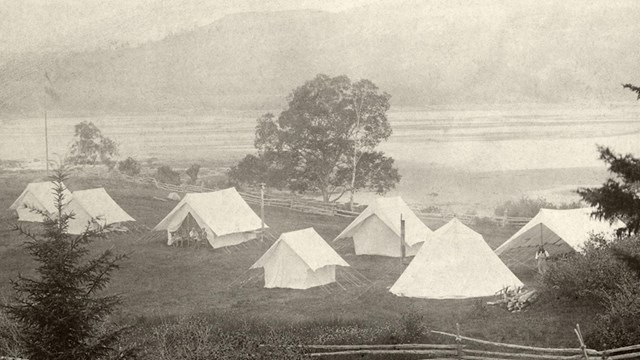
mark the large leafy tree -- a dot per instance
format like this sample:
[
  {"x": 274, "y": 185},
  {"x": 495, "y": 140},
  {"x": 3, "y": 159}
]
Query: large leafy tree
[
  {"x": 61, "y": 312},
  {"x": 90, "y": 146},
  {"x": 324, "y": 140}
]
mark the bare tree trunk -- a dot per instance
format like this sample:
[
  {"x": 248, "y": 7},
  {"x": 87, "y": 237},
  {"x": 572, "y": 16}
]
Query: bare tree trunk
[{"x": 353, "y": 179}]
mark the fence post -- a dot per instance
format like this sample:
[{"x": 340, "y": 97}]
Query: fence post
[
  {"x": 505, "y": 218},
  {"x": 458, "y": 342},
  {"x": 583, "y": 347}
]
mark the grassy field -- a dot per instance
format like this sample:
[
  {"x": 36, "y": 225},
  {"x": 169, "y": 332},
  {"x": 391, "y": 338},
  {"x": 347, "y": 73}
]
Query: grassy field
[{"x": 159, "y": 282}]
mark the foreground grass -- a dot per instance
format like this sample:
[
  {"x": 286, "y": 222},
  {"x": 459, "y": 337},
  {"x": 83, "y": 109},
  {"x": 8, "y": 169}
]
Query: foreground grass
[{"x": 160, "y": 283}]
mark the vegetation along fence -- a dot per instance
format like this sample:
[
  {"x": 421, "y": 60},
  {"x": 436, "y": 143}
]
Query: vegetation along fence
[
  {"x": 314, "y": 206},
  {"x": 476, "y": 349}
]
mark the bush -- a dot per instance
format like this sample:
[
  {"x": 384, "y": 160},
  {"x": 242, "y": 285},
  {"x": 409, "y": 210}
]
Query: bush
[
  {"x": 527, "y": 207},
  {"x": 592, "y": 273},
  {"x": 166, "y": 175},
  {"x": 9, "y": 337},
  {"x": 196, "y": 338},
  {"x": 618, "y": 325},
  {"x": 129, "y": 167},
  {"x": 607, "y": 272}
]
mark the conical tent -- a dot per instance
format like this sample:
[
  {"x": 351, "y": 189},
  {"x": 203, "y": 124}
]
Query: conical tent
[
  {"x": 224, "y": 215},
  {"x": 38, "y": 195},
  {"x": 299, "y": 260},
  {"x": 376, "y": 231},
  {"x": 94, "y": 206},
  {"x": 559, "y": 231},
  {"x": 455, "y": 263}
]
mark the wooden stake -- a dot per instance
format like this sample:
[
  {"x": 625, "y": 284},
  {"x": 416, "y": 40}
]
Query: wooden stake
[{"x": 458, "y": 342}]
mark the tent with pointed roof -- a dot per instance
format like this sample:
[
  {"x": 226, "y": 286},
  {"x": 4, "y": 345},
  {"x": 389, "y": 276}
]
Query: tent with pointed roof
[
  {"x": 559, "y": 231},
  {"x": 224, "y": 215},
  {"x": 39, "y": 195},
  {"x": 376, "y": 231},
  {"x": 94, "y": 207},
  {"x": 455, "y": 263},
  {"x": 299, "y": 260}
]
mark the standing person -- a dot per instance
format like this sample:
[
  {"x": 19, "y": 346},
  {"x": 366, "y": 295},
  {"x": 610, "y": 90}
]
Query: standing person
[{"x": 541, "y": 259}]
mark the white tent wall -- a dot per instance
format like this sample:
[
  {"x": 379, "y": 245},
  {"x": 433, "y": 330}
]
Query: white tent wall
[
  {"x": 285, "y": 269},
  {"x": 229, "y": 240},
  {"x": 80, "y": 220},
  {"x": 456, "y": 263},
  {"x": 24, "y": 211},
  {"x": 374, "y": 237}
]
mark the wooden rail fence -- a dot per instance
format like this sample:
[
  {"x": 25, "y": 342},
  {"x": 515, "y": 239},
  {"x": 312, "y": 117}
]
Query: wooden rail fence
[
  {"x": 315, "y": 206},
  {"x": 477, "y": 349}
]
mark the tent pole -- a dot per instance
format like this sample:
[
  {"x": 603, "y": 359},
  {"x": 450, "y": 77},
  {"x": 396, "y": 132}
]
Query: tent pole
[
  {"x": 541, "y": 238},
  {"x": 402, "y": 249},
  {"x": 262, "y": 211}
]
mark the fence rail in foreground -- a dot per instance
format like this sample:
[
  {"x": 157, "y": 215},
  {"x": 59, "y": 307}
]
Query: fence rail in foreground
[
  {"x": 314, "y": 206},
  {"x": 463, "y": 348}
]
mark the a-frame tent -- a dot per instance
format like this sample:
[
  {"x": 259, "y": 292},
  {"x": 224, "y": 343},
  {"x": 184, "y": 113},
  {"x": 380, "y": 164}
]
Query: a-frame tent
[
  {"x": 224, "y": 215},
  {"x": 299, "y": 260},
  {"x": 39, "y": 195},
  {"x": 376, "y": 231},
  {"x": 94, "y": 207},
  {"x": 559, "y": 231},
  {"x": 455, "y": 263}
]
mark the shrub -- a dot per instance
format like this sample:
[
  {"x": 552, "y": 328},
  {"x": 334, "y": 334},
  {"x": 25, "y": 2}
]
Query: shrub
[
  {"x": 592, "y": 273},
  {"x": 9, "y": 337},
  {"x": 431, "y": 209},
  {"x": 527, "y": 207},
  {"x": 618, "y": 325},
  {"x": 166, "y": 175},
  {"x": 411, "y": 326},
  {"x": 129, "y": 167},
  {"x": 196, "y": 338}
]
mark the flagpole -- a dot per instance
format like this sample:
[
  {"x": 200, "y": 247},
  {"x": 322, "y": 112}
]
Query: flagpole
[{"x": 46, "y": 138}]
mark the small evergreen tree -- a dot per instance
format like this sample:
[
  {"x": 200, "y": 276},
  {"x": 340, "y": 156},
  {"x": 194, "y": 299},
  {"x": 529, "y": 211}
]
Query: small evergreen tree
[
  {"x": 618, "y": 197},
  {"x": 59, "y": 312},
  {"x": 192, "y": 172}
]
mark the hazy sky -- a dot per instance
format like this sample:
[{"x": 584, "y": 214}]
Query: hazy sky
[{"x": 31, "y": 25}]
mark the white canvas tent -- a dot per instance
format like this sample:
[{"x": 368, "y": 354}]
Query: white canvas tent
[
  {"x": 559, "y": 231},
  {"x": 455, "y": 263},
  {"x": 376, "y": 231},
  {"x": 299, "y": 260},
  {"x": 224, "y": 215},
  {"x": 93, "y": 206},
  {"x": 38, "y": 195}
]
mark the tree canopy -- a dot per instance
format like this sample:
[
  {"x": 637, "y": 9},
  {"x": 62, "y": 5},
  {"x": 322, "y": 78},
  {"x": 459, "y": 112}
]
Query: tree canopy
[
  {"x": 324, "y": 141},
  {"x": 90, "y": 146}
]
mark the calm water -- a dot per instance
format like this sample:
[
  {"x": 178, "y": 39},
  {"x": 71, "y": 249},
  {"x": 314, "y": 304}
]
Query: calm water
[{"x": 526, "y": 137}]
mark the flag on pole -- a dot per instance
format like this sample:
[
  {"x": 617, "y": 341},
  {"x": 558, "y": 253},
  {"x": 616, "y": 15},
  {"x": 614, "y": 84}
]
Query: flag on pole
[{"x": 49, "y": 89}]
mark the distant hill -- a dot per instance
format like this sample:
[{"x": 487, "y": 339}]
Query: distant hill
[{"x": 421, "y": 52}]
